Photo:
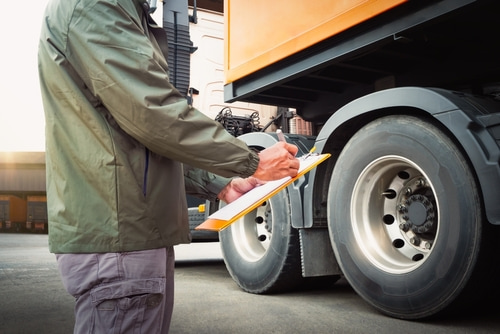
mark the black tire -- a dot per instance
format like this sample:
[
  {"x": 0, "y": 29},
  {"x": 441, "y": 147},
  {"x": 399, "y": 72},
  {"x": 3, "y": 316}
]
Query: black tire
[
  {"x": 261, "y": 250},
  {"x": 405, "y": 217}
]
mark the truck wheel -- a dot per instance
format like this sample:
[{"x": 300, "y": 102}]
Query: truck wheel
[
  {"x": 405, "y": 217},
  {"x": 261, "y": 250}
]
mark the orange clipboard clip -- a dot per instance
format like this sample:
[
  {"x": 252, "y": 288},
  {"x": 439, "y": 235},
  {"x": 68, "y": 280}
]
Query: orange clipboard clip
[{"x": 230, "y": 213}]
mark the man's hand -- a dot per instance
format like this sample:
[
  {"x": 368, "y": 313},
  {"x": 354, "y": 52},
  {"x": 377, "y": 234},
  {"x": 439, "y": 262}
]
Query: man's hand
[
  {"x": 277, "y": 161},
  {"x": 237, "y": 187}
]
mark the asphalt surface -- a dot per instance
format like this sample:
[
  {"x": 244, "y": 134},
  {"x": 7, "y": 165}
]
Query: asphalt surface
[{"x": 207, "y": 300}]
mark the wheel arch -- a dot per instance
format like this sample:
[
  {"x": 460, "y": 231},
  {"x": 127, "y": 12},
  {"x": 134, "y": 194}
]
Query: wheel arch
[{"x": 473, "y": 123}]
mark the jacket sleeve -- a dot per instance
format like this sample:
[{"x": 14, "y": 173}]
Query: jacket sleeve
[
  {"x": 123, "y": 68},
  {"x": 203, "y": 184}
]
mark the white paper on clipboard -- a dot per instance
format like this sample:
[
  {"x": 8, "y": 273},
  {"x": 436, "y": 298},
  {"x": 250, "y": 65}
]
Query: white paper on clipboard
[{"x": 255, "y": 197}]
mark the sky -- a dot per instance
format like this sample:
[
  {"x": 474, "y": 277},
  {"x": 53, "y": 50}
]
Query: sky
[
  {"x": 22, "y": 123},
  {"x": 21, "y": 113}
]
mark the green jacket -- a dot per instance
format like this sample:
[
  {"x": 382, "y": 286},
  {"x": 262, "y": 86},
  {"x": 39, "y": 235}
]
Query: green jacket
[{"x": 118, "y": 133}]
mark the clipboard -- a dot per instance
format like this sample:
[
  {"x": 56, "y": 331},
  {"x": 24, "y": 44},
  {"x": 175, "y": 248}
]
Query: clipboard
[{"x": 248, "y": 202}]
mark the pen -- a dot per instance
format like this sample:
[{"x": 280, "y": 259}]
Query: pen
[
  {"x": 281, "y": 137},
  {"x": 311, "y": 152}
]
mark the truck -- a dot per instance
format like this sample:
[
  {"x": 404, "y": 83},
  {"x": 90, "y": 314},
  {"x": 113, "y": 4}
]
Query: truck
[
  {"x": 23, "y": 214},
  {"x": 12, "y": 213},
  {"x": 405, "y": 96},
  {"x": 36, "y": 216}
]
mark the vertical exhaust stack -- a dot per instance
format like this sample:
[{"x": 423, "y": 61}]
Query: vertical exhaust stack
[{"x": 180, "y": 46}]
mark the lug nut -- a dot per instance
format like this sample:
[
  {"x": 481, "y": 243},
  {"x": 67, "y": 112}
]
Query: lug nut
[
  {"x": 402, "y": 209},
  {"x": 415, "y": 241},
  {"x": 420, "y": 183}
]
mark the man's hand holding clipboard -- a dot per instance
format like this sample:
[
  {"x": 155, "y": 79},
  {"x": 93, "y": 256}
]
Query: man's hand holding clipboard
[{"x": 258, "y": 195}]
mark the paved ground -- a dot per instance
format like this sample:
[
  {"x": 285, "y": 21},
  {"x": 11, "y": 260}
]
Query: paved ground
[{"x": 32, "y": 300}]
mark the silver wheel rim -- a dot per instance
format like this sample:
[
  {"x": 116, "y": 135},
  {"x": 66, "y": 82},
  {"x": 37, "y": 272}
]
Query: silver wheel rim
[
  {"x": 252, "y": 233},
  {"x": 394, "y": 214}
]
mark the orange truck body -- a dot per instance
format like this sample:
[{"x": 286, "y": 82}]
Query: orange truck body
[{"x": 300, "y": 25}]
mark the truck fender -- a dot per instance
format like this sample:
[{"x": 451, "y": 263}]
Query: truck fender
[{"x": 472, "y": 121}]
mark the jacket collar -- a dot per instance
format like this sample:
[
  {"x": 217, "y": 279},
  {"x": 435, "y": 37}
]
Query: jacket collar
[{"x": 144, "y": 4}]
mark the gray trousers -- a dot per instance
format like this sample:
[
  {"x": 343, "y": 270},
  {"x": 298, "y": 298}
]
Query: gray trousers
[{"x": 129, "y": 292}]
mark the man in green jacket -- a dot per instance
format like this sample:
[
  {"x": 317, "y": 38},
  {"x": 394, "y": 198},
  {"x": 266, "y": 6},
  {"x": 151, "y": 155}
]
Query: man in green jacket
[{"x": 119, "y": 140}]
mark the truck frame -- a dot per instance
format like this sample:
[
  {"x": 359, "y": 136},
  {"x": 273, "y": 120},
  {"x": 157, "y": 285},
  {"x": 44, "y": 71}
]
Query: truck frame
[{"x": 405, "y": 97}]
